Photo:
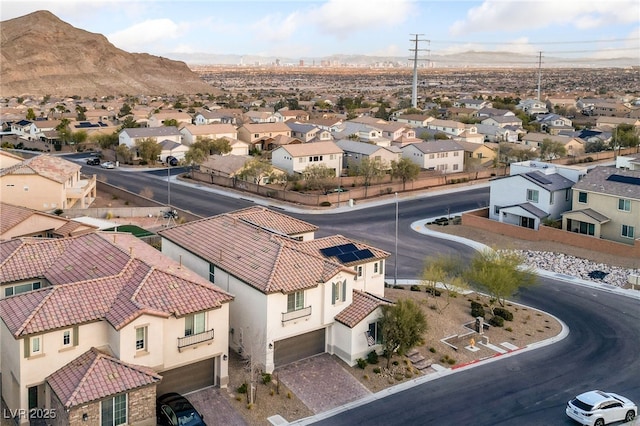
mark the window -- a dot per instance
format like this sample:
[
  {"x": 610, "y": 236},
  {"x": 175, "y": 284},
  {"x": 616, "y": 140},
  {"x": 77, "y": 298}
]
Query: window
[
  {"x": 455, "y": 167},
  {"x": 587, "y": 228},
  {"x": 496, "y": 209},
  {"x": 300, "y": 160},
  {"x": 338, "y": 292},
  {"x": 375, "y": 334},
  {"x": 582, "y": 197},
  {"x": 21, "y": 288},
  {"x": 141, "y": 338},
  {"x": 532, "y": 195},
  {"x": 375, "y": 268},
  {"x": 295, "y": 301},
  {"x": 113, "y": 411},
  {"x": 358, "y": 269},
  {"x": 527, "y": 222},
  {"x": 212, "y": 273},
  {"x": 624, "y": 205},
  {"x": 36, "y": 345},
  {"x": 194, "y": 324},
  {"x": 627, "y": 231},
  {"x": 567, "y": 194},
  {"x": 66, "y": 338}
]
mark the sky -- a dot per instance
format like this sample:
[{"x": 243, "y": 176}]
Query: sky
[{"x": 310, "y": 28}]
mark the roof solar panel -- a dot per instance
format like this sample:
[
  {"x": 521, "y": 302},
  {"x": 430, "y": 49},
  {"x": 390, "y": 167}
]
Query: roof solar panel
[
  {"x": 631, "y": 180},
  {"x": 330, "y": 251},
  {"x": 363, "y": 254},
  {"x": 347, "y": 257},
  {"x": 347, "y": 248},
  {"x": 539, "y": 178}
]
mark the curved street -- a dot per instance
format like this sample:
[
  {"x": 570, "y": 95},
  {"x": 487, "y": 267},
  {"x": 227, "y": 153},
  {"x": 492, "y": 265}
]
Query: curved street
[{"x": 526, "y": 388}]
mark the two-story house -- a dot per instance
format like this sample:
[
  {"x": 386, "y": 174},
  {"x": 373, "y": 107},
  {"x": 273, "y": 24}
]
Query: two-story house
[
  {"x": 526, "y": 199},
  {"x": 191, "y": 132},
  {"x": 358, "y": 151},
  {"x": 553, "y": 123},
  {"x": 415, "y": 120},
  {"x": 291, "y": 115},
  {"x": 308, "y": 132},
  {"x": 45, "y": 183},
  {"x": 446, "y": 156},
  {"x": 105, "y": 298},
  {"x": 532, "y": 106},
  {"x": 158, "y": 119},
  {"x": 606, "y": 204},
  {"x": 259, "y": 135},
  {"x": 295, "y": 158},
  {"x": 220, "y": 116},
  {"x": 295, "y": 296},
  {"x": 399, "y": 134},
  {"x": 475, "y": 104},
  {"x": 130, "y": 137},
  {"x": 502, "y": 121},
  {"x": 572, "y": 145}
]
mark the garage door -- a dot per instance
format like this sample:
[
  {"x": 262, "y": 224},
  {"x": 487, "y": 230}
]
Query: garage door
[
  {"x": 188, "y": 378},
  {"x": 296, "y": 348}
]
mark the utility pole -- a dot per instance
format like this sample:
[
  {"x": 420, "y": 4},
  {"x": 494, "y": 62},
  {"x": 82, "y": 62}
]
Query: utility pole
[
  {"x": 415, "y": 50},
  {"x": 539, "y": 72}
]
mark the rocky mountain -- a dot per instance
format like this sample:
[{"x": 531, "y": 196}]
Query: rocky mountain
[{"x": 40, "y": 55}]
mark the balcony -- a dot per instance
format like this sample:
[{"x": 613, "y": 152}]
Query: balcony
[
  {"x": 297, "y": 314},
  {"x": 194, "y": 339}
]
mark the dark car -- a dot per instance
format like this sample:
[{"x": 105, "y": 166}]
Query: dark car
[
  {"x": 173, "y": 161},
  {"x": 173, "y": 409},
  {"x": 93, "y": 161}
]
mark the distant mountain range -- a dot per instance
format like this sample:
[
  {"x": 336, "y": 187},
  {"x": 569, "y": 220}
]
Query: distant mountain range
[{"x": 42, "y": 55}]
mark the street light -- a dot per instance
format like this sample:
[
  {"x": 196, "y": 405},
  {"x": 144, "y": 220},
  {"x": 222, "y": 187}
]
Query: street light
[
  {"x": 169, "y": 178},
  {"x": 395, "y": 275}
]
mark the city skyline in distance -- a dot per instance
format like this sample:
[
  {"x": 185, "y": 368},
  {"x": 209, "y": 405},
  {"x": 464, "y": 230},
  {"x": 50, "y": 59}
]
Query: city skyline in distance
[{"x": 291, "y": 32}]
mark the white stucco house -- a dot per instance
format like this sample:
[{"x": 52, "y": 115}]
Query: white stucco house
[
  {"x": 295, "y": 158},
  {"x": 295, "y": 296},
  {"x": 191, "y": 132},
  {"x": 129, "y": 137},
  {"x": 446, "y": 156}
]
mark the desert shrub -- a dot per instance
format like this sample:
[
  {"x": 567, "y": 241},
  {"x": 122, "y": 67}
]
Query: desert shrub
[
  {"x": 477, "y": 310},
  {"x": 432, "y": 350},
  {"x": 372, "y": 357},
  {"x": 395, "y": 363},
  {"x": 496, "y": 321},
  {"x": 325, "y": 204},
  {"x": 242, "y": 388},
  {"x": 266, "y": 378},
  {"x": 398, "y": 376},
  {"x": 377, "y": 370},
  {"x": 433, "y": 291},
  {"x": 249, "y": 406},
  {"x": 58, "y": 212},
  {"x": 399, "y": 287},
  {"x": 362, "y": 363},
  {"x": 288, "y": 395},
  {"x": 451, "y": 361},
  {"x": 415, "y": 287},
  {"x": 509, "y": 329},
  {"x": 504, "y": 313}
]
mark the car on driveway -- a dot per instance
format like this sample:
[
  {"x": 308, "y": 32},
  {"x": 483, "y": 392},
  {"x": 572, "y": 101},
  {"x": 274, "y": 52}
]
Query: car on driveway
[
  {"x": 598, "y": 408},
  {"x": 108, "y": 165},
  {"x": 93, "y": 161},
  {"x": 173, "y": 409}
]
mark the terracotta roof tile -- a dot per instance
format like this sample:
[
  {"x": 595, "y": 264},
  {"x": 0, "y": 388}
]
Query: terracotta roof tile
[
  {"x": 54, "y": 168},
  {"x": 274, "y": 221},
  {"x": 314, "y": 246},
  {"x": 95, "y": 375},
  {"x": 11, "y": 215},
  {"x": 147, "y": 282},
  {"x": 363, "y": 304}
]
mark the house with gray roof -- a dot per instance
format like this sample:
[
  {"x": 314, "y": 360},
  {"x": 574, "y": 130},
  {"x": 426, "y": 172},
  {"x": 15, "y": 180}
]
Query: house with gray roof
[
  {"x": 355, "y": 152},
  {"x": 130, "y": 137},
  {"x": 526, "y": 199},
  {"x": 446, "y": 156},
  {"x": 606, "y": 204}
]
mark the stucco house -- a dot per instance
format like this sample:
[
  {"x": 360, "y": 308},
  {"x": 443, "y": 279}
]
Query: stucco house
[
  {"x": 308, "y": 132},
  {"x": 106, "y": 299},
  {"x": 446, "y": 156},
  {"x": 415, "y": 120},
  {"x": 358, "y": 151},
  {"x": 606, "y": 204},
  {"x": 17, "y": 221},
  {"x": 291, "y": 115},
  {"x": 295, "y": 158},
  {"x": 129, "y": 137},
  {"x": 157, "y": 119},
  {"x": 295, "y": 296},
  {"x": 532, "y": 106},
  {"x": 526, "y": 199},
  {"x": 572, "y": 145},
  {"x": 45, "y": 183},
  {"x": 191, "y": 132},
  {"x": 224, "y": 116},
  {"x": 258, "y": 135}
]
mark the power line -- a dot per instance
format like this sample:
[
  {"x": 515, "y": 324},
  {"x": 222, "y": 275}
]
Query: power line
[{"x": 613, "y": 40}]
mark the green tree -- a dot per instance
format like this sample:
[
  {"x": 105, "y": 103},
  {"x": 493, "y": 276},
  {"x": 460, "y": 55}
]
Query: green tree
[
  {"x": 30, "y": 114},
  {"x": 444, "y": 272},
  {"x": 128, "y": 123},
  {"x": 105, "y": 141},
  {"x": 319, "y": 176},
  {"x": 500, "y": 273},
  {"x": 550, "y": 149},
  {"x": 370, "y": 170},
  {"x": 64, "y": 132},
  {"x": 625, "y": 135},
  {"x": 170, "y": 122},
  {"x": 255, "y": 169},
  {"x": 405, "y": 170},
  {"x": 79, "y": 137},
  {"x": 125, "y": 110},
  {"x": 80, "y": 113},
  {"x": 123, "y": 152},
  {"x": 148, "y": 150},
  {"x": 473, "y": 165},
  {"x": 382, "y": 112},
  {"x": 403, "y": 326}
]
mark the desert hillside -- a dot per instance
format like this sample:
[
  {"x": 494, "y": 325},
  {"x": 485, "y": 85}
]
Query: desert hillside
[{"x": 41, "y": 54}]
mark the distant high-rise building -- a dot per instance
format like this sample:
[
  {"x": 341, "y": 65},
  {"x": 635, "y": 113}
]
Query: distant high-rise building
[{"x": 301, "y": 62}]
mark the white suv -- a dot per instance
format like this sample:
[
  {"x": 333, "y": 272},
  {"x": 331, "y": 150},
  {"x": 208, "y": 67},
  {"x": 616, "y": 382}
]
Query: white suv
[{"x": 597, "y": 408}]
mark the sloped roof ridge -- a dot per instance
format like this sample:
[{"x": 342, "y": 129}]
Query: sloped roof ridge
[
  {"x": 49, "y": 291},
  {"x": 85, "y": 376}
]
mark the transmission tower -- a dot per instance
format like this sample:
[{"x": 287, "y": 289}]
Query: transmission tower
[
  {"x": 539, "y": 73},
  {"x": 415, "y": 50}
]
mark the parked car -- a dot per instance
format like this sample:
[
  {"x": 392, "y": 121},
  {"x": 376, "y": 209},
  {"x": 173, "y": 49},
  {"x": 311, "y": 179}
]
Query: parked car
[
  {"x": 173, "y": 409},
  {"x": 93, "y": 161},
  {"x": 598, "y": 408},
  {"x": 108, "y": 165},
  {"x": 172, "y": 161}
]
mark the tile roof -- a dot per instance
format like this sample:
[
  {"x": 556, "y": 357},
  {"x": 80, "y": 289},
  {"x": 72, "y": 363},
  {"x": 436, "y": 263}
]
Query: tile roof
[
  {"x": 444, "y": 145},
  {"x": 140, "y": 280},
  {"x": 363, "y": 304},
  {"x": 273, "y": 221},
  {"x": 11, "y": 216},
  {"x": 95, "y": 375},
  {"x": 591, "y": 213},
  {"x": 53, "y": 168},
  {"x": 147, "y": 132},
  {"x": 298, "y": 150},
  {"x": 210, "y": 129},
  {"x": 266, "y": 261},
  {"x": 597, "y": 181}
]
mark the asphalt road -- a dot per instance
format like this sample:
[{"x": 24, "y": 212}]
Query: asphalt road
[{"x": 530, "y": 388}]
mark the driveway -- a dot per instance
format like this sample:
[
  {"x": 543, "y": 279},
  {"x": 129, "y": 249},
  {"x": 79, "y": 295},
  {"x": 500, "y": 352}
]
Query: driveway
[
  {"x": 213, "y": 403},
  {"x": 321, "y": 383}
]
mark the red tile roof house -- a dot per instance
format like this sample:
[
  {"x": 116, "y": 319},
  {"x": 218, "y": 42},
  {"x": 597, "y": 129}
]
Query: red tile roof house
[
  {"x": 295, "y": 296},
  {"x": 112, "y": 301}
]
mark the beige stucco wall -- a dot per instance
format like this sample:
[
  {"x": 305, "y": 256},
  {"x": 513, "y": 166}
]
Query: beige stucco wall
[
  {"x": 608, "y": 206},
  {"x": 36, "y": 224},
  {"x": 33, "y": 191}
]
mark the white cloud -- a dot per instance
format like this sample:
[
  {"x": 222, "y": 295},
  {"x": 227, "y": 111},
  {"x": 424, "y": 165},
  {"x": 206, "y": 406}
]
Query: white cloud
[
  {"x": 276, "y": 27},
  {"x": 140, "y": 36},
  {"x": 342, "y": 17},
  {"x": 500, "y": 15}
]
